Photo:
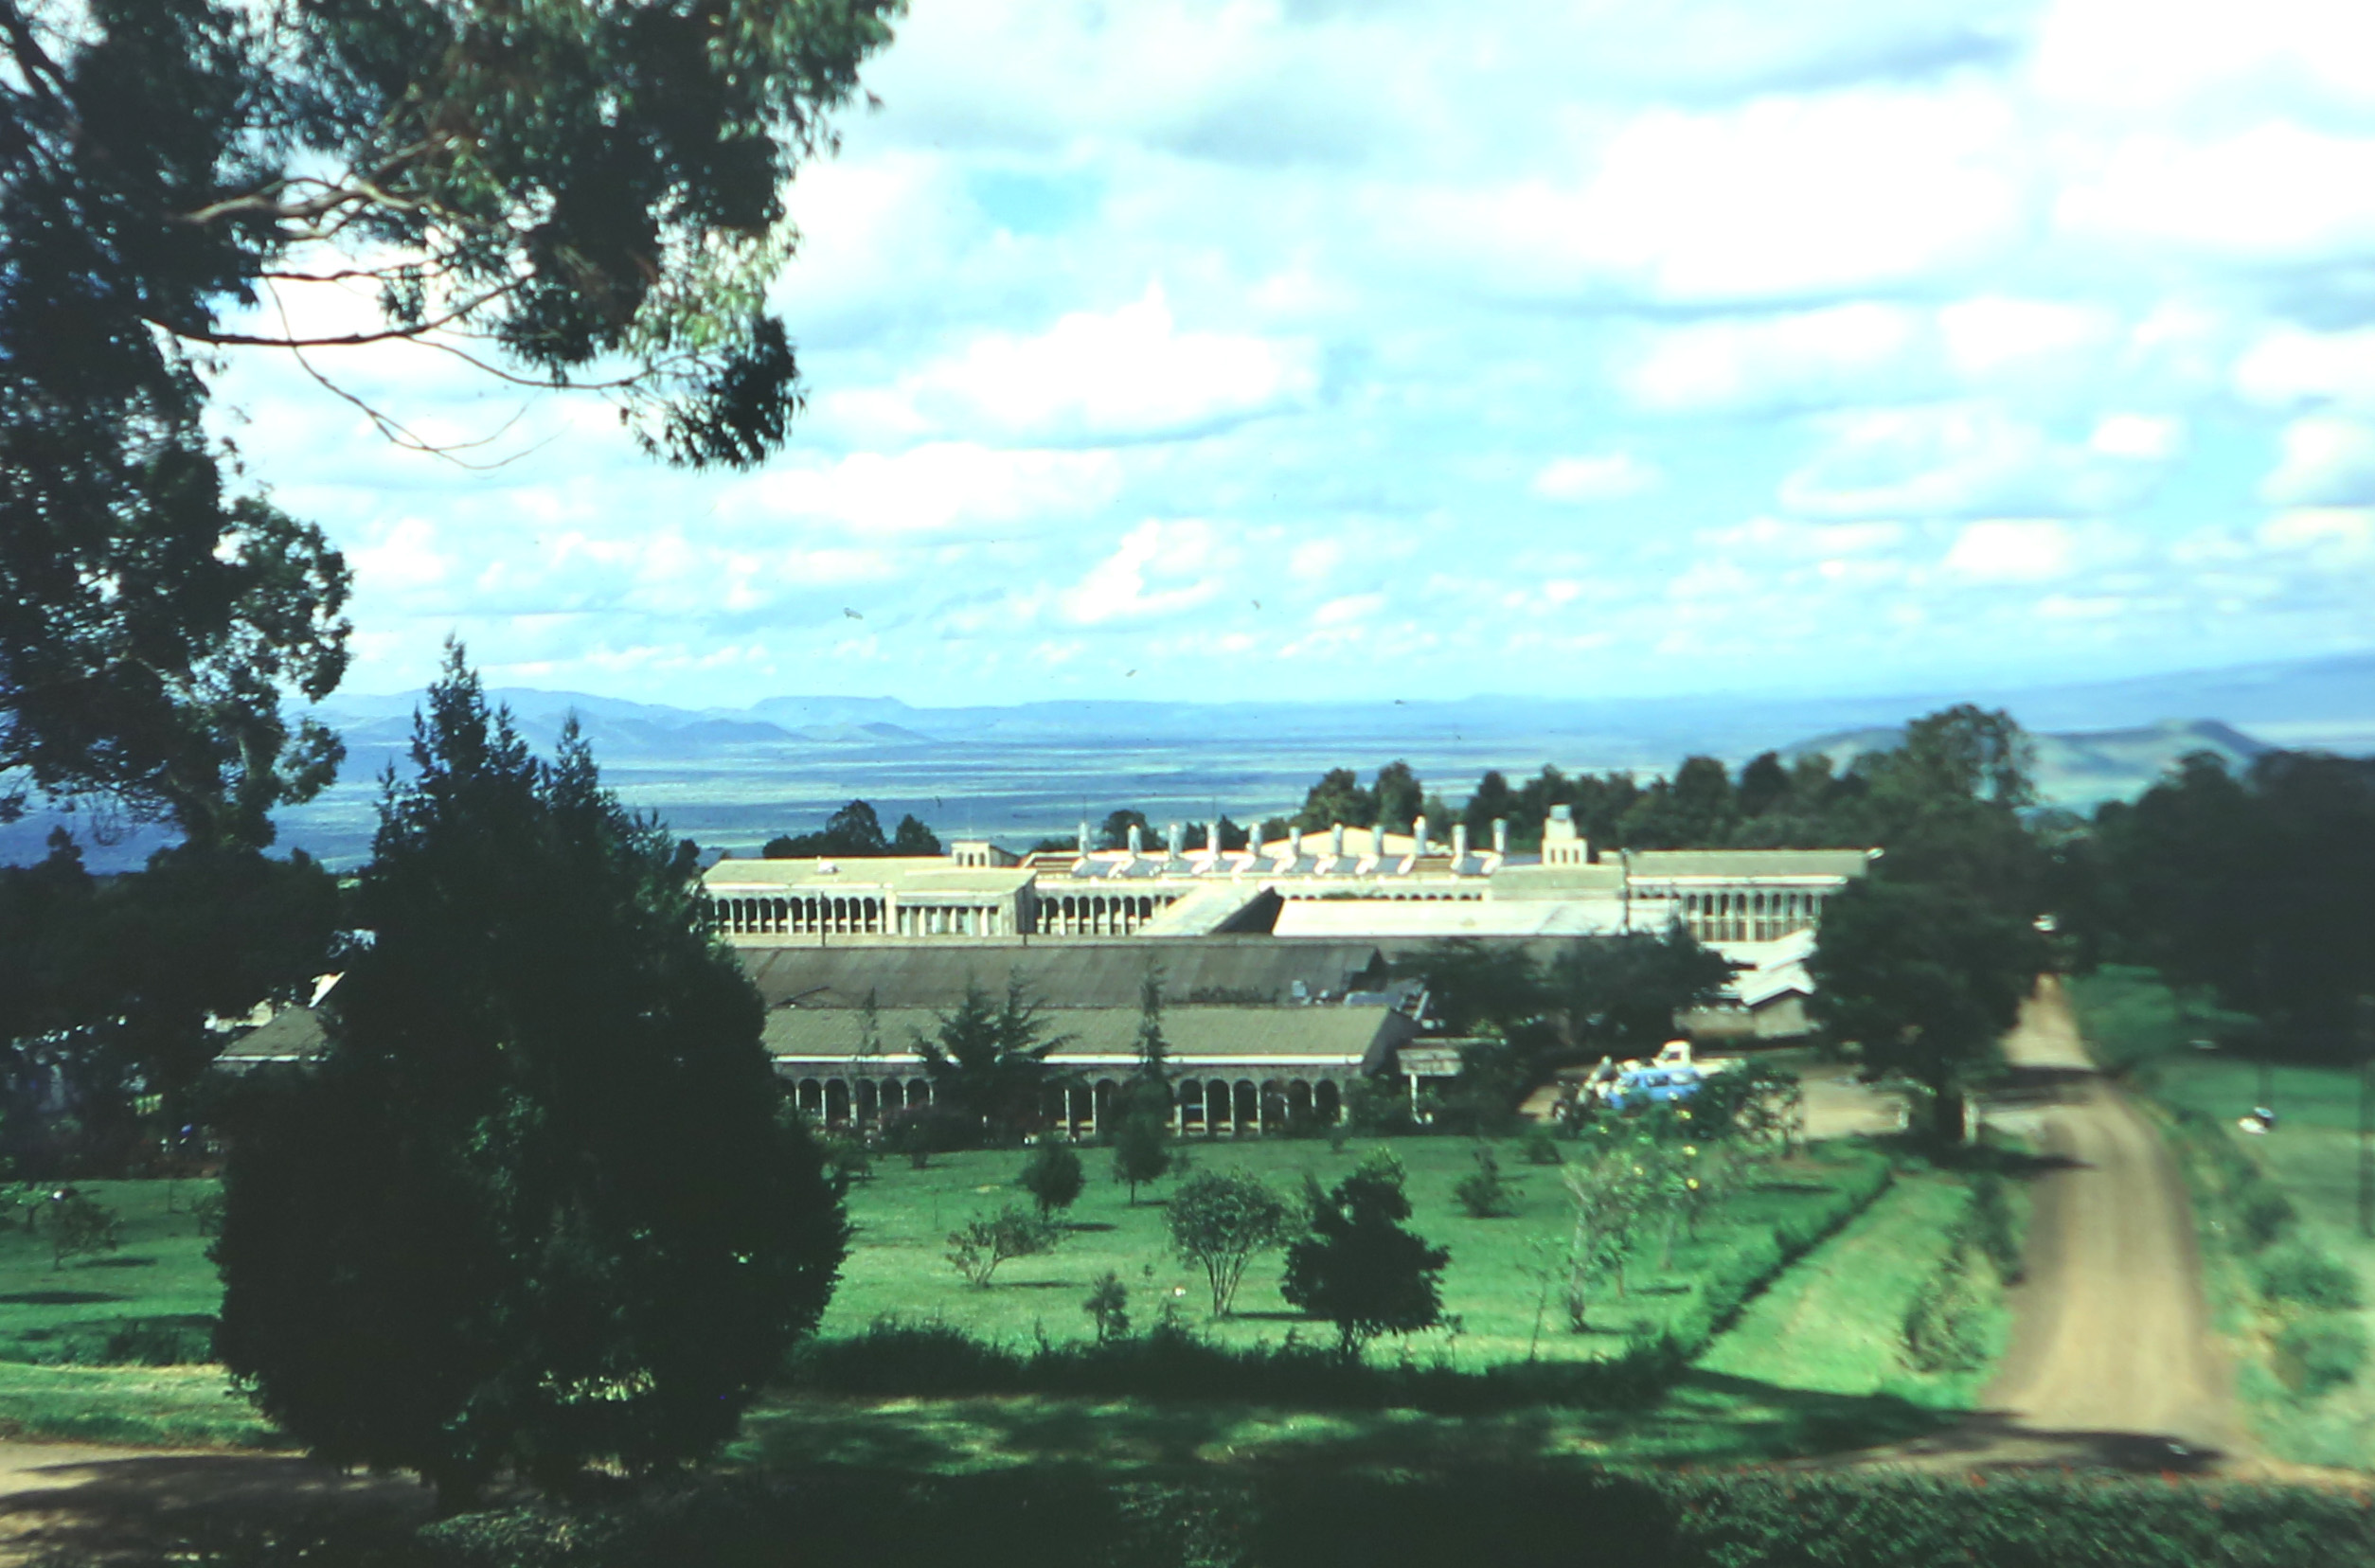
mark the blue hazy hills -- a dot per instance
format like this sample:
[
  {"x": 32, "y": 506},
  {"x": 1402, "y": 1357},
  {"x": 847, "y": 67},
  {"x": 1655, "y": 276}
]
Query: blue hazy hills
[{"x": 734, "y": 777}]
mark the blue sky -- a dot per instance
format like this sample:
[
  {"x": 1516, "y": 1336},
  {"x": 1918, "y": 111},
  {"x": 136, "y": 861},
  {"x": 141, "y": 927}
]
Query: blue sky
[{"x": 1312, "y": 349}]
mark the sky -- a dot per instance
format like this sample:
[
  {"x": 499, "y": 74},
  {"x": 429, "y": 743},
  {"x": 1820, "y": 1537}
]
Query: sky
[{"x": 1316, "y": 350}]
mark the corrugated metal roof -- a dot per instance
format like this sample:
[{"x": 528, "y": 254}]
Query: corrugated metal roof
[
  {"x": 1330, "y": 1036},
  {"x": 1059, "y": 971}
]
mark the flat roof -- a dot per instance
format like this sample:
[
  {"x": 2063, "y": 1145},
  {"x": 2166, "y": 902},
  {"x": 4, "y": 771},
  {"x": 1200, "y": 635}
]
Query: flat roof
[{"x": 1742, "y": 865}]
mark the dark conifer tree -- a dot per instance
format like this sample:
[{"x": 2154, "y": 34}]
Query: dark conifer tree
[{"x": 540, "y": 1204}]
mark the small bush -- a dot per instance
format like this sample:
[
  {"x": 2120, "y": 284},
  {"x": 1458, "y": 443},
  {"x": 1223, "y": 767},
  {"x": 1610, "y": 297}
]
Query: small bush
[
  {"x": 1108, "y": 1307},
  {"x": 846, "y": 1156},
  {"x": 2263, "y": 1210},
  {"x": 205, "y": 1212},
  {"x": 1484, "y": 1193},
  {"x": 1541, "y": 1146},
  {"x": 989, "y": 1239},
  {"x": 1994, "y": 1227},
  {"x": 2320, "y": 1352},
  {"x": 1052, "y": 1176},
  {"x": 1945, "y": 1328},
  {"x": 2300, "y": 1275}
]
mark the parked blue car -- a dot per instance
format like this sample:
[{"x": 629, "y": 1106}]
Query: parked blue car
[{"x": 1648, "y": 1086}]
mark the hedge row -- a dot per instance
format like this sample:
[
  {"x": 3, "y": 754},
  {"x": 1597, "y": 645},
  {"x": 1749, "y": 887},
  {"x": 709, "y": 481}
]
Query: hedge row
[
  {"x": 909, "y": 1357},
  {"x": 1055, "y": 1519}
]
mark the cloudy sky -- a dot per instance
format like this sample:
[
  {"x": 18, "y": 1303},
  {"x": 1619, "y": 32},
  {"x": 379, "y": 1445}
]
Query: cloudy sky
[{"x": 1309, "y": 349}]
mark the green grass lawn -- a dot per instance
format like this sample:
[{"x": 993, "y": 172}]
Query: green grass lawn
[
  {"x": 897, "y": 1264},
  {"x": 1835, "y": 1322},
  {"x": 159, "y": 1275},
  {"x": 1750, "y": 1402}
]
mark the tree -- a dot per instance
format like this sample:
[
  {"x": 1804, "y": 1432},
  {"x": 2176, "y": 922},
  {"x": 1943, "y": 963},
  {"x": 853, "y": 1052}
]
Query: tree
[
  {"x": 1621, "y": 993},
  {"x": 1399, "y": 795},
  {"x": 1336, "y": 798},
  {"x": 853, "y": 832},
  {"x": 914, "y": 838},
  {"x": 1358, "y": 1268},
  {"x": 1142, "y": 1148},
  {"x": 1051, "y": 1176},
  {"x": 76, "y": 1226},
  {"x": 562, "y": 195},
  {"x": 1219, "y": 1220},
  {"x": 1612, "y": 1196},
  {"x": 1115, "y": 832},
  {"x": 989, "y": 1239},
  {"x": 987, "y": 1061},
  {"x": 1924, "y": 979},
  {"x": 541, "y": 1201}
]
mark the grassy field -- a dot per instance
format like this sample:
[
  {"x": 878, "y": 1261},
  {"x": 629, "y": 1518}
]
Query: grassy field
[
  {"x": 1778, "y": 1392},
  {"x": 1493, "y": 1286},
  {"x": 156, "y": 1293},
  {"x": 2312, "y": 1157},
  {"x": 1836, "y": 1323}
]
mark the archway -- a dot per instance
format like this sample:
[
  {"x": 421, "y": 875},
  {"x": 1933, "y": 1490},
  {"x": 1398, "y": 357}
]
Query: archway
[{"x": 1326, "y": 1102}]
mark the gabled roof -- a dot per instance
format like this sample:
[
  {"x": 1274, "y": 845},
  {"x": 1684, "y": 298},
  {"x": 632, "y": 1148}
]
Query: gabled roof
[
  {"x": 1059, "y": 971},
  {"x": 1331, "y": 1035}
]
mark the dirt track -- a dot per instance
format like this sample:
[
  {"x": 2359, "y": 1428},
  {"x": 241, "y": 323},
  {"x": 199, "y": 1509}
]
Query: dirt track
[{"x": 2112, "y": 1359}]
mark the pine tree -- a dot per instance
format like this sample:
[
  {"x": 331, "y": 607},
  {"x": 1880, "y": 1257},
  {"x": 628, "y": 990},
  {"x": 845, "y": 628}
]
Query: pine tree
[{"x": 540, "y": 1204}]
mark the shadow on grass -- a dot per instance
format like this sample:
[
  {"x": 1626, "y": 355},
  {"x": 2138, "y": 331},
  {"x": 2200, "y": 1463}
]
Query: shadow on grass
[
  {"x": 1708, "y": 1418},
  {"x": 121, "y": 1263},
  {"x": 60, "y": 1298}
]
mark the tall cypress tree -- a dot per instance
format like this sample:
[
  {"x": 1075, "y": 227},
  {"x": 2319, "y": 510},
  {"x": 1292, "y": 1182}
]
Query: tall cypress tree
[{"x": 540, "y": 1203}]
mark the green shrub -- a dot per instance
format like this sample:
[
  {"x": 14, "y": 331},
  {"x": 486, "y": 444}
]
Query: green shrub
[
  {"x": 2299, "y": 1274},
  {"x": 1995, "y": 1226},
  {"x": 1541, "y": 1146},
  {"x": 986, "y": 1240},
  {"x": 1946, "y": 1327},
  {"x": 2263, "y": 1211},
  {"x": 1052, "y": 1175},
  {"x": 1484, "y": 1193},
  {"x": 76, "y": 1226},
  {"x": 2320, "y": 1352}
]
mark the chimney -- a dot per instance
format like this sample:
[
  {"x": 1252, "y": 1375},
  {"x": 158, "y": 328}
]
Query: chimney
[
  {"x": 1459, "y": 842},
  {"x": 1138, "y": 840},
  {"x": 1175, "y": 840},
  {"x": 1419, "y": 834},
  {"x": 1335, "y": 839},
  {"x": 1377, "y": 839},
  {"x": 1500, "y": 837},
  {"x": 1084, "y": 839},
  {"x": 1212, "y": 837}
]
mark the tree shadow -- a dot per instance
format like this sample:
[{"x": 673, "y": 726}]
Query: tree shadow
[
  {"x": 60, "y": 1298},
  {"x": 121, "y": 1263}
]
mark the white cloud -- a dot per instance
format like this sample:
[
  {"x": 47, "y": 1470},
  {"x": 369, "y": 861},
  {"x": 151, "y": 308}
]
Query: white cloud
[
  {"x": 403, "y": 558},
  {"x": 1160, "y": 569},
  {"x": 1122, "y": 374},
  {"x": 1608, "y": 476},
  {"x": 2011, "y": 552},
  {"x": 2335, "y": 534},
  {"x": 936, "y": 488},
  {"x": 1838, "y": 354},
  {"x": 2327, "y": 461},
  {"x": 2142, "y": 437},
  {"x": 2275, "y": 191},
  {"x": 1963, "y": 460},
  {"x": 2287, "y": 365}
]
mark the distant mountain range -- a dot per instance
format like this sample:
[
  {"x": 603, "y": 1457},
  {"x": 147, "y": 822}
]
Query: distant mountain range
[
  {"x": 734, "y": 777},
  {"x": 2107, "y": 736}
]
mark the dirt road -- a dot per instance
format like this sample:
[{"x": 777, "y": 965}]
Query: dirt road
[
  {"x": 2112, "y": 1359},
  {"x": 85, "y": 1504}
]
